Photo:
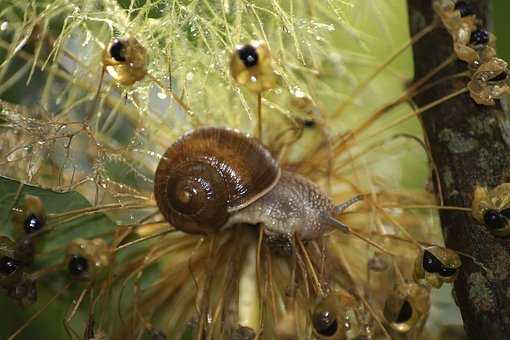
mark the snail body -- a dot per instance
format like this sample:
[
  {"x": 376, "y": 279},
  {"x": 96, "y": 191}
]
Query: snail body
[
  {"x": 212, "y": 178},
  {"x": 294, "y": 205}
]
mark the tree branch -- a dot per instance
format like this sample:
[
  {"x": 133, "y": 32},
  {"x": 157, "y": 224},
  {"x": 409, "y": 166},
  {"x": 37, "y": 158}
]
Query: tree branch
[{"x": 470, "y": 145}]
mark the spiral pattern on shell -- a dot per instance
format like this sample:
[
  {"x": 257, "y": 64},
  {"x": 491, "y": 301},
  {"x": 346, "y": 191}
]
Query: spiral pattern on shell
[{"x": 209, "y": 173}]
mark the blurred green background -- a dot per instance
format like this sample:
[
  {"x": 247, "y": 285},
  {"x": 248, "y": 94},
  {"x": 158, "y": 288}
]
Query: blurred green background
[{"x": 501, "y": 24}]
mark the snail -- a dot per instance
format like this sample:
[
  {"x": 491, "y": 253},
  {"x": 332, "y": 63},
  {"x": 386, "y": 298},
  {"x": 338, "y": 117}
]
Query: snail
[{"x": 212, "y": 178}]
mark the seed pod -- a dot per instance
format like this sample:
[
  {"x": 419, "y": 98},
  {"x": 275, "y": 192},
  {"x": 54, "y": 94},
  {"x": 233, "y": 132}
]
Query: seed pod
[
  {"x": 489, "y": 82},
  {"x": 436, "y": 265},
  {"x": 11, "y": 268},
  {"x": 491, "y": 208},
  {"x": 30, "y": 219},
  {"x": 126, "y": 60},
  {"x": 337, "y": 317},
  {"x": 251, "y": 65},
  {"x": 407, "y": 306},
  {"x": 86, "y": 259}
]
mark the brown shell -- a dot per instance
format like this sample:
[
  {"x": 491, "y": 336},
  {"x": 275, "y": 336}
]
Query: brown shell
[{"x": 244, "y": 171}]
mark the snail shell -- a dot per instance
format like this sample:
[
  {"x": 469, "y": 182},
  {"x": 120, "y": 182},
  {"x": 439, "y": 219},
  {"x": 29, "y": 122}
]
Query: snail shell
[{"x": 209, "y": 174}]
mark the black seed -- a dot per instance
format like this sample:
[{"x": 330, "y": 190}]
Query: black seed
[
  {"x": 479, "y": 37},
  {"x": 309, "y": 123},
  {"x": 463, "y": 8},
  {"x": 500, "y": 77},
  {"x": 493, "y": 219},
  {"x": 406, "y": 312},
  {"x": 117, "y": 51},
  {"x": 33, "y": 223},
  {"x": 78, "y": 265},
  {"x": 248, "y": 55},
  {"x": 430, "y": 263},
  {"x": 447, "y": 272},
  {"x": 325, "y": 323},
  {"x": 8, "y": 265}
]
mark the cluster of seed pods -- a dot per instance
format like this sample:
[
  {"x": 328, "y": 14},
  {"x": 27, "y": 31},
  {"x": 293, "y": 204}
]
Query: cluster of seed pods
[
  {"x": 475, "y": 46},
  {"x": 18, "y": 255},
  {"x": 489, "y": 81},
  {"x": 84, "y": 259}
]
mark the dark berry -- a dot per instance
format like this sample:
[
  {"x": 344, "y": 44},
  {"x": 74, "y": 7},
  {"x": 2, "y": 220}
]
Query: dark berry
[
  {"x": 248, "y": 55},
  {"x": 493, "y": 219},
  {"x": 33, "y": 223},
  {"x": 463, "y": 8},
  {"x": 500, "y": 77},
  {"x": 406, "y": 312},
  {"x": 447, "y": 272},
  {"x": 309, "y": 123},
  {"x": 479, "y": 37},
  {"x": 78, "y": 265},
  {"x": 8, "y": 265},
  {"x": 325, "y": 323},
  {"x": 117, "y": 51},
  {"x": 430, "y": 263}
]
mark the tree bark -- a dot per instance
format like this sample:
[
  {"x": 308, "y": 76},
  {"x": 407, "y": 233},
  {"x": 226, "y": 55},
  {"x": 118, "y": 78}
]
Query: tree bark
[{"x": 469, "y": 144}]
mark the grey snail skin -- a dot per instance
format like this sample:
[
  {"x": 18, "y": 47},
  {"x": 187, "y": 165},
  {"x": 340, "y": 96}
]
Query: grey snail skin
[{"x": 212, "y": 178}]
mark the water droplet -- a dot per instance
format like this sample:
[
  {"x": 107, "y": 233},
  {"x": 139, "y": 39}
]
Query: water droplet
[
  {"x": 189, "y": 76},
  {"x": 87, "y": 39},
  {"x": 298, "y": 92},
  {"x": 162, "y": 95},
  {"x": 3, "y": 26}
]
